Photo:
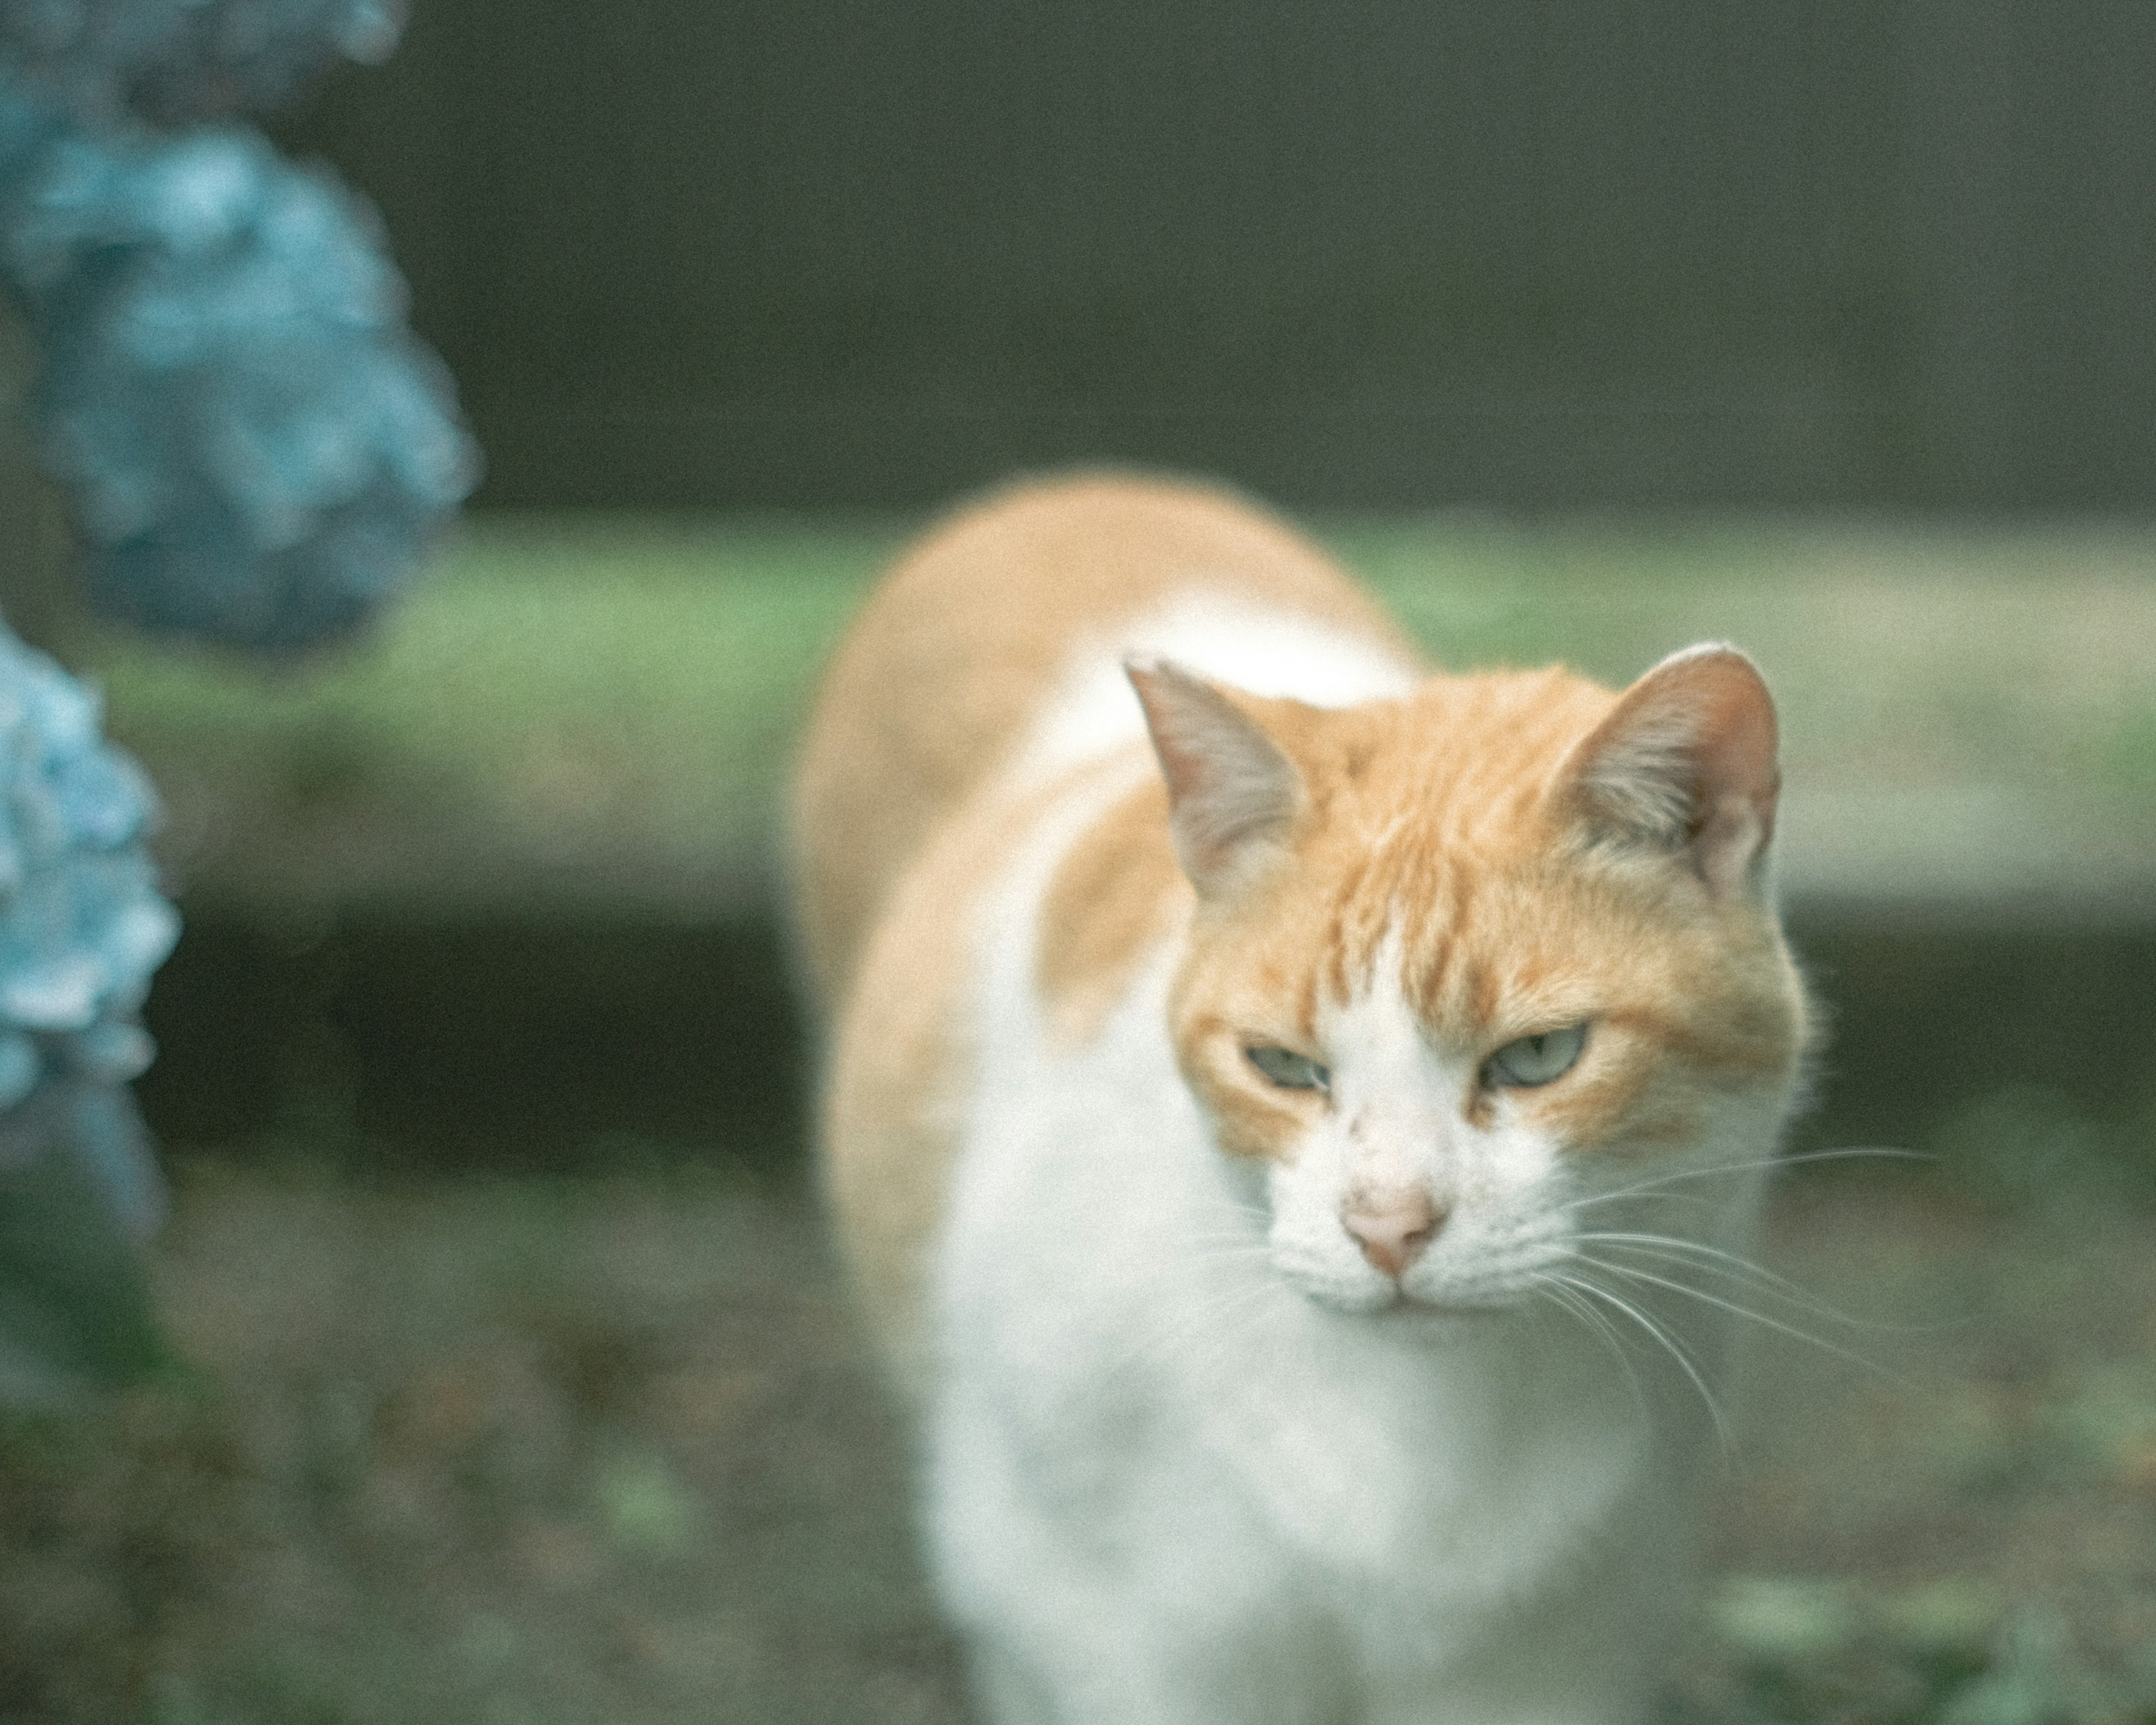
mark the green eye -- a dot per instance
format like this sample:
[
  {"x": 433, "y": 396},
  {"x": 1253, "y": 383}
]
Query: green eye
[
  {"x": 1535, "y": 1060},
  {"x": 1289, "y": 1071}
]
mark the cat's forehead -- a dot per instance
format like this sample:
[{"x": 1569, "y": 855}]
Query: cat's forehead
[
  {"x": 1466, "y": 946},
  {"x": 1372, "y": 1022},
  {"x": 1434, "y": 870}
]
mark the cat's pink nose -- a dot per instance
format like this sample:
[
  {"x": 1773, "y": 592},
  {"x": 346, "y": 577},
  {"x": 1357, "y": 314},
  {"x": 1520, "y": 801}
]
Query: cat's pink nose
[{"x": 1393, "y": 1228}]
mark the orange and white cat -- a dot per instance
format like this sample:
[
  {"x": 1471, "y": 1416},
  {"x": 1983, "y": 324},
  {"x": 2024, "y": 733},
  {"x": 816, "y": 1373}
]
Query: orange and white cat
[{"x": 1287, "y": 1113}]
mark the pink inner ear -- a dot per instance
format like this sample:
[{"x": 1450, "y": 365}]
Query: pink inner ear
[
  {"x": 1232, "y": 793},
  {"x": 1687, "y": 761}
]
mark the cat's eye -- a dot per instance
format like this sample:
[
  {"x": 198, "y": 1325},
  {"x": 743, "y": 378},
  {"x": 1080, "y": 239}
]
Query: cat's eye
[
  {"x": 1289, "y": 1070},
  {"x": 1533, "y": 1060}
]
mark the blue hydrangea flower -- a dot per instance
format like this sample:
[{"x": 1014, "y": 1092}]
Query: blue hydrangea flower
[
  {"x": 175, "y": 59},
  {"x": 82, "y": 929},
  {"x": 257, "y": 448}
]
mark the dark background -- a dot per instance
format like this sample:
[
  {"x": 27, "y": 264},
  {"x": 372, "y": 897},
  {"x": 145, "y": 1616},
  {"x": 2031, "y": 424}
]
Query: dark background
[{"x": 1389, "y": 253}]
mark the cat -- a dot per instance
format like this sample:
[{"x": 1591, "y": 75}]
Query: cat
[{"x": 1288, "y": 1113}]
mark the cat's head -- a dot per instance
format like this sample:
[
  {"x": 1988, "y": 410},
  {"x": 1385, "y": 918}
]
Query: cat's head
[{"x": 1461, "y": 960}]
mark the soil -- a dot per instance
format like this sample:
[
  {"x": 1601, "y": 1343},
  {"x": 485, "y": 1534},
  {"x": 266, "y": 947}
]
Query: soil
[{"x": 545, "y": 1448}]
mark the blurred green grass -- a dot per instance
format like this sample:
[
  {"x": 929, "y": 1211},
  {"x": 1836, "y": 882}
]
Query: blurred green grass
[
  {"x": 598, "y": 709},
  {"x": 570, "y": 708}
]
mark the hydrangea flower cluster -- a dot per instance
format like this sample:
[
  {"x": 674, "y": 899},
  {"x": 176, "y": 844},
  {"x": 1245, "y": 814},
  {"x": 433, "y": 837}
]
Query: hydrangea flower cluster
[
  {"x": 257, "y": 448},
  {"x": 177, "y": 59},
  {"x": 82, "y": 929}
]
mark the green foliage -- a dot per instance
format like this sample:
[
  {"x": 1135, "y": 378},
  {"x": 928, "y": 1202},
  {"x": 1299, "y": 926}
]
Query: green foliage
[
  {"x": 74, "y": 1309},
  {"x": 566, "y": 710},
  {"x": 2037, "y": 1149},
  {"x": 1801, "y": 1651}
]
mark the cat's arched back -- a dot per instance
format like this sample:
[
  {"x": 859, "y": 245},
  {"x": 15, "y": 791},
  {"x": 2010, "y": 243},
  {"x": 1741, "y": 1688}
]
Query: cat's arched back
[{"x": 962, "y": 643}]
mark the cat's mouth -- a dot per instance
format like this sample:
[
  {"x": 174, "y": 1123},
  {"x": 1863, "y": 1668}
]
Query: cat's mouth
[
  {"x": 1402, "y": 1308},
  {"x": 1430, "y": 1294}
]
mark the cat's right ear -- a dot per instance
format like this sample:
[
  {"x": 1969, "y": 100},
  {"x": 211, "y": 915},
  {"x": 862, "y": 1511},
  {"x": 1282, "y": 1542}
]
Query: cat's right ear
[
  {"x": 1684, "y": 764},
  {"x": 1233, "y": 796}
]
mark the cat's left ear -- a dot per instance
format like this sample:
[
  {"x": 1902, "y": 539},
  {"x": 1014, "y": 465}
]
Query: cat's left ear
[
  {"x": 1233, "y": 795},
  {"x": 1685, "y": 763}
]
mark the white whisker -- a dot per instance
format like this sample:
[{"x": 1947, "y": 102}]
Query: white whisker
[
  {"x": 1671, "y": 1249},
  {"x": 1660, "y": 1334},
  {"x": 1755, "y": 1165},
  {"x": 1744, "y": 1311},
  {"x": 1571, "y": 1303}
]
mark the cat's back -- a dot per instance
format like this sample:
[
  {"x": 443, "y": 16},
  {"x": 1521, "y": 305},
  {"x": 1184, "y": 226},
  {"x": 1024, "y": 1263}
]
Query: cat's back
[{"x": 976, "y": 632}]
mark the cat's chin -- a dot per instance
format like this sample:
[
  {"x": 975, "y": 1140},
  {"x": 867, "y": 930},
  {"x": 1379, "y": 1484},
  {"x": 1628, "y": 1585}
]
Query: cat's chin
[
  {"x": 1445, "y": 1315},
  {"x": 1438, "y": 1317}
]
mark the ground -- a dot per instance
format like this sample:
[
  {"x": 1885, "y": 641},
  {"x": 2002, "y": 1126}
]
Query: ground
[{"x": 545, "y": 1449}]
